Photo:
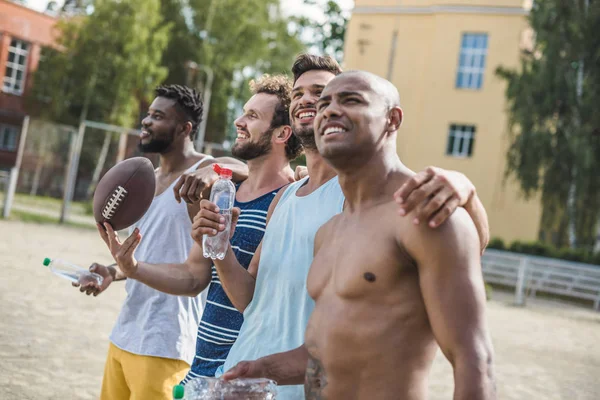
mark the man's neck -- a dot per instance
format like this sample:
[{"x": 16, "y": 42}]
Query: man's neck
[
  {"x": 319, "y": 171},
  {"x": 373, "y": 181},
  {"x": 266, "y": 174},
  {"x": 178, "y": 158}
]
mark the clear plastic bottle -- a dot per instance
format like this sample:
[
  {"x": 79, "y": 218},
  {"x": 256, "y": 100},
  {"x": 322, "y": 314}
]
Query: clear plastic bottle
[
  {"x": 72, "y": 272},
  {"x": 205, "y": 388},
  {"x": 223, "y": 195}
]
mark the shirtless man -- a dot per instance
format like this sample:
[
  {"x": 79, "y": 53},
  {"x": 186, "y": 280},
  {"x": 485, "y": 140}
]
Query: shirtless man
[
  {"x": 272, "y": 291},
  {"x": 385, "y": 289}
]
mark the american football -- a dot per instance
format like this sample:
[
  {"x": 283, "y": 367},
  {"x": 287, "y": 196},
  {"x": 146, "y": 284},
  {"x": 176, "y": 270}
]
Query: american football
[{"x": 125, "y": 193}]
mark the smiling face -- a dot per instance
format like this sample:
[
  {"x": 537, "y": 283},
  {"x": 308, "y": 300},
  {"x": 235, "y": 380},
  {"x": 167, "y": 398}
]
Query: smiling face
[
  {"x": 160, "y": 126},
  {"x": 355, "y": 115},
  {"x": 306, "y": 92},
  {"x": 254, "y": 130}
]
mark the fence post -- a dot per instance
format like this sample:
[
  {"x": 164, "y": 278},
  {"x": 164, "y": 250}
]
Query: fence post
[
  {"x": 72, "y": 173},
  {"x": 14, "y": 172},
  {"x": 520, "y": 288},
  {"x": 123, "y": 136}
]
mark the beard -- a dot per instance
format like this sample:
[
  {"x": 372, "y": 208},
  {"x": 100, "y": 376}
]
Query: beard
[
  {"x": 306, "y": 135},
  {"x": 251, "y": 150},
  {"x": 157, "y": 145}
]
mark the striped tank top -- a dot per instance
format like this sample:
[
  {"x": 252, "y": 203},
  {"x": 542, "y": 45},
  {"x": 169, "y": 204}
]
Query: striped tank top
[{"x": 221, "y": 322}]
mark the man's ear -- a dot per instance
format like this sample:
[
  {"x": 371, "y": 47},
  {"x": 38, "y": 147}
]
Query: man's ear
[
  {"x": 395, "y": 117},
  {"x": 282, "y": 134},
  {"x": 186, "y": 128}
]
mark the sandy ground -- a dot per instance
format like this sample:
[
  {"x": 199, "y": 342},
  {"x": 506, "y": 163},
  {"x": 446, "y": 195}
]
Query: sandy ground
[{"x": 53, "y": 339}]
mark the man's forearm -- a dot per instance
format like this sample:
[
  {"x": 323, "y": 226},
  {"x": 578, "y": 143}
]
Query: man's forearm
[
  {"x": 287, "y": 368},
  {"x": 235, "y": 280},
  {"x": 479, "y": 216},
  {"x": 239, "y": 172},
  {"x": 175, "y": 279},
  {"x": 238, "y": 168},
  {"x": 474, "y": 379}
]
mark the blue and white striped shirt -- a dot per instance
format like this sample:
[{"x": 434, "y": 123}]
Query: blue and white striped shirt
[{"x": 221, "y": 322}]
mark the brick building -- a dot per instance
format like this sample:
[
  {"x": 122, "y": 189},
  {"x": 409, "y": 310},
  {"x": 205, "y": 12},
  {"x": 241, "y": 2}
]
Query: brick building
[{"x": 23, "y": 33}]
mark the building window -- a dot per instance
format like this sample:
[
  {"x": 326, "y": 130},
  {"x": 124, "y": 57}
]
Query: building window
[
  {"x": 471, "y": 63},
  {"x": 8, "y": 137},
  {"x": 460, "y": 140},
  {"x": 16, "y": 66}
]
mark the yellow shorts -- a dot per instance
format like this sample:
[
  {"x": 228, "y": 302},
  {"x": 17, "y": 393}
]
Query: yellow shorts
[{"x": 129, "y": 376}]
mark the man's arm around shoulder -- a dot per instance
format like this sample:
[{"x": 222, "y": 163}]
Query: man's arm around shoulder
[{"x": 451, "y": 281}]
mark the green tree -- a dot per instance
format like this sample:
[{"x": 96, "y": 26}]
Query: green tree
[
  {"x": 103, "y": 66},
  {"x": 554, "y": 124},
  {"x": 326, "y": 37},
  {"x": 109, "y": 60},
  {"x": 238, "y": 40},
  {"x": 183, "y": 44}
]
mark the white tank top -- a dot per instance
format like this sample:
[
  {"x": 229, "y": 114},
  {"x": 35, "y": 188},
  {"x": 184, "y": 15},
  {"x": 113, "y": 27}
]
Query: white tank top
[
  {"x": 276, "y": 318},
  {"x": 152, "y": 323}
]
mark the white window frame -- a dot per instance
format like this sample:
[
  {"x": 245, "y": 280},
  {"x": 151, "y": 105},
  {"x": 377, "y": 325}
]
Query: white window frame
[
  {"x": 6, "y": 130},
  {"x": 462, "y": 137},
  {"x": 18, "y": 48},
  {"x": 472, "y": 60}
]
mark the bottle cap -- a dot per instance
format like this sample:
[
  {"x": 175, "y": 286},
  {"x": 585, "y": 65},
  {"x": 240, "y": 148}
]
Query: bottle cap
[
  {"x": 47, "y": 261},
  {"x": 178, "y": 391},
  {"x": 224, "y": 172}
]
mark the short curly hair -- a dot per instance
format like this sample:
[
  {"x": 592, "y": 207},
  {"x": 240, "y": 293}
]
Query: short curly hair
[
  {"x": 280, "y": 86},
  {"x": 187, "y": 101}
]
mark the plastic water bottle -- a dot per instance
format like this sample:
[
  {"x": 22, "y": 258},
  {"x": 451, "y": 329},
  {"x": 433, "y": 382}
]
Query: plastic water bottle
[
  {"x": 205, "y": 388},
  {"x": 72, "y": 272},
  {"x": 223, "y": 195}
]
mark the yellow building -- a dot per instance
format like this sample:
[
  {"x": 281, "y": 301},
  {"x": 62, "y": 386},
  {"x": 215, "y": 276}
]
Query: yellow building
[{"x": 442, "y": 56}]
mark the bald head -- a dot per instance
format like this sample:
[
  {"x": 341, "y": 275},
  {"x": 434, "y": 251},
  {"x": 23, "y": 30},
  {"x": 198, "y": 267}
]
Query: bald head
[
  {"x": 358, "y": 115},
  {"x": 380, "y": 86}
]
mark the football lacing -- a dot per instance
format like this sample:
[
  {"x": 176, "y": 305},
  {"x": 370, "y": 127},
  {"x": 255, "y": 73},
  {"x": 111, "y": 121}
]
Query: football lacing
[{"x": 114, "y": 202}]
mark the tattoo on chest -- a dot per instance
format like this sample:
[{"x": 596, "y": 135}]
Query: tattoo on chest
[{"x": 315, "y": 380}]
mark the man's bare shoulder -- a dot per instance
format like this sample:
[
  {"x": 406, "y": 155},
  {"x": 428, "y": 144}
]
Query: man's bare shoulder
[
  {"x": 457, "y": 235},
  {"x": 331, "y": 223},
  {"x": 325, "y": 231}
]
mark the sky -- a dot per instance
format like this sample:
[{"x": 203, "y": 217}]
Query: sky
[{"x": 290, "y": 7}]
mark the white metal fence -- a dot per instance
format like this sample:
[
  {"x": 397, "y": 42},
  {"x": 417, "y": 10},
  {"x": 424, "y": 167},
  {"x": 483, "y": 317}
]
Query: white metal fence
[
  {"x": 66, "y": 162},
  {"x": 530, "y": 275}
]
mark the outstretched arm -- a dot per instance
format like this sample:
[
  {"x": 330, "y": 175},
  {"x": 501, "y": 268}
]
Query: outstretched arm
[
  {"x": 452, "y": 285},
  {"x": 186, "y": 279}
]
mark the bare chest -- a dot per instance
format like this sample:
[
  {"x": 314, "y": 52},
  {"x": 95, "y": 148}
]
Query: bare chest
[{"x": 359, "y": 257}]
